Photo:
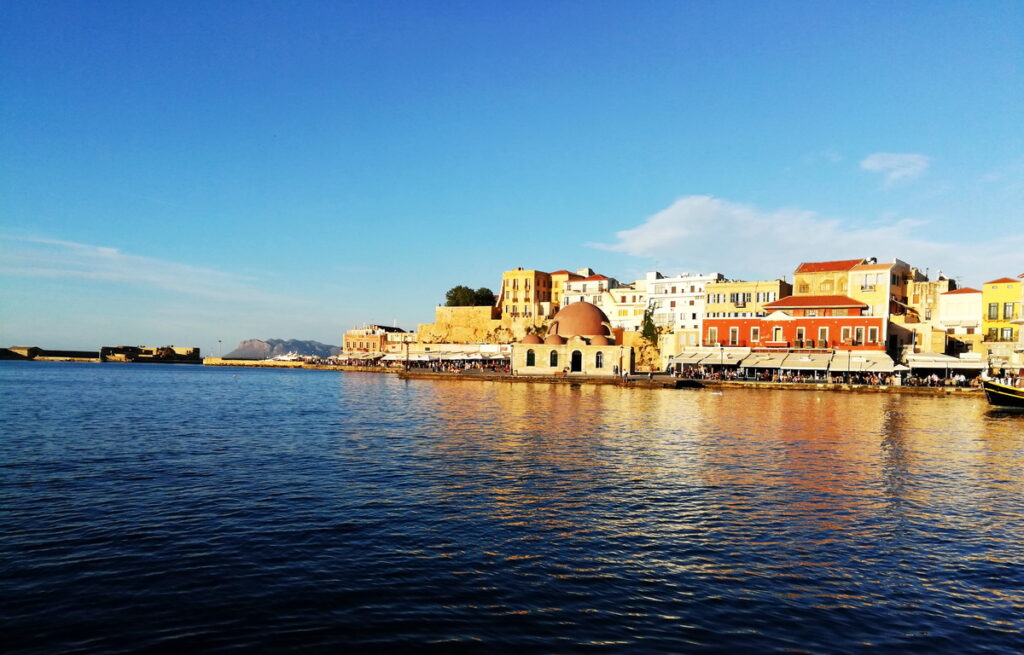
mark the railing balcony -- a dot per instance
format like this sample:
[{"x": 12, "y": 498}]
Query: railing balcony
[{"x": 867, "y": 287}]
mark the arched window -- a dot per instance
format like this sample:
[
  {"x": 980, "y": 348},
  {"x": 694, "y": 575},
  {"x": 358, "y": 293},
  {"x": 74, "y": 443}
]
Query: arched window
[
  {"x": 599, "y": 360},
  {"x": 531, "y": 358},
  {"x": 826, "y": 286},
  {"x": 553, "y": 359}
]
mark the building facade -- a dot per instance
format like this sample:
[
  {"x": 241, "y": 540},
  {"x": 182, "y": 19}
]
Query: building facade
[
  {"x": 1001, "y": 305},
  {"x": 525, "y": 294},
  {"x": 579, "y": 342},
  {"x": 369, "y": 339}
]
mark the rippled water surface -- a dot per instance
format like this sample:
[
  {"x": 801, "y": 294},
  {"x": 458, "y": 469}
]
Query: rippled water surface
[{"x": 157, "y": 508}]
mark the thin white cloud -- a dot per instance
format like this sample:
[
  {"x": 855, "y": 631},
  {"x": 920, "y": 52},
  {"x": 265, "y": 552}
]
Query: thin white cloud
[
  {"x": 41, "y": 257},
  {"x": 703, "y": 233},
  {"x": 897, "y": 167}
]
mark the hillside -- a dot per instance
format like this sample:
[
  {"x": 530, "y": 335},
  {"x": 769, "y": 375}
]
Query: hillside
[{"x": 260, "y": 349}]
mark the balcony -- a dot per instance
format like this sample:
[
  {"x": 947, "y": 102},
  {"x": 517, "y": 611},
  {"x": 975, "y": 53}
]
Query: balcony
[{"x": 867, "y": 287}]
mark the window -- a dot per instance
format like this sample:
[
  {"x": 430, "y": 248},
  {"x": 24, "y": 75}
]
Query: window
[
  {"x": 776, "y": 333},
  {"x": 801, "y": 333},
  {"x": 872, "y": 335},
  {"x": 826, "y": 286},
  {"x": 858, "y": 336},
  {"x": 691, "y": 303},
  {"x": 1007, "y": 334},
  {"x": 673, "y": 289},
  {"x": 622, "y": 299},
  {"x": 1008, "y": 310},
  {"x": 553, "y": 359},
  {"x": 993, "y": 311},
  {"x": 927, "y": 314},
  {"x": 755, "y": 334},
  {"x": 734, "y": 336},
  {"x": 672, "y": 303},
  {"x": 712, "y": 335},
  {"x": 846, "y": 334},
  {"x": 823, "y": 336},
  {"x": 599, "y": 360},
  {"x": 804, "y": 288},
  {"x": 531, "y": 358}
]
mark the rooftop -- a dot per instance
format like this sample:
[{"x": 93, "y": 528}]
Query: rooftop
[
  {"x": 964, "y": 290},
  {"x": 814, "y": 301},
  {"x": 820, "y": 267},
  {"x": 1003, "y": 280}
]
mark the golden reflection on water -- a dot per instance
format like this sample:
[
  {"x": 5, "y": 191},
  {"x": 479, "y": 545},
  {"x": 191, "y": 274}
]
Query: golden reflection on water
[{"x": 823, "y": 453}]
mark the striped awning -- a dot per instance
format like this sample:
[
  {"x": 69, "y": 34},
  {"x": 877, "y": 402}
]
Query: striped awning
[{"x": 765, "y": 360}]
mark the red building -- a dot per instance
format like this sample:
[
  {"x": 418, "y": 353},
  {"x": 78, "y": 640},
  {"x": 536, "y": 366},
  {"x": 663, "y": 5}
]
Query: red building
[{"x": 803, "y": 323}]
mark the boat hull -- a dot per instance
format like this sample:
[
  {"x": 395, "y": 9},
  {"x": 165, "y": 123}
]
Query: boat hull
[{"x": 1003, "y": 395}]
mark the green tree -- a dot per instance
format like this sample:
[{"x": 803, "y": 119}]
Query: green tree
[
  {"x": 460, "y": 296},
  {"x": 483, "y": 296},
  {"x": 650, "y": 330},
  {"x": 463, "y": 296}
]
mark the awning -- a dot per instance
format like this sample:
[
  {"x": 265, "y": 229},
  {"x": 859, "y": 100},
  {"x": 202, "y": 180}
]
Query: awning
[
  {"x": 862, "y": 362},
  {"x": 361, "y": 355},
  {"x": 393, "y": 357},
  {"x": 691, "y": 357},
  {"x": 726, "y": 356},
  {"x": 807, "y": 361},
  {"x": 765, "y": 360},
  {"x": 935, "y": 361}
]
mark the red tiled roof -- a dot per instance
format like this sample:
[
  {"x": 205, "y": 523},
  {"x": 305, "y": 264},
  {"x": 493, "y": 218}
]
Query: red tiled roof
[
  {"x": 1003, "y": 280},
  {"x": 560, "y": 272},
  {"x": 964, "y": 290},
  {"x": 596, "y": 276},
  {"x": 819, "y": 267},
  {"x": 814, "y": 301}
]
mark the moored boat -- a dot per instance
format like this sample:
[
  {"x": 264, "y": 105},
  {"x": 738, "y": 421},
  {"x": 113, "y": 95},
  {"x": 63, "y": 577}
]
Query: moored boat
[{"x": 1003, "y": 395}]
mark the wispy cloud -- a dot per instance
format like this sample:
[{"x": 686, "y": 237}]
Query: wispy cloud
[
  {"x": 42, "y": 257},
  {"x": 897, "y": 167},
  {"x": 706, "y": 233}
]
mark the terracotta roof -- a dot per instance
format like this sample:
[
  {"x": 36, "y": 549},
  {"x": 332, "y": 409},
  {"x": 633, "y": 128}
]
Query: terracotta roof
[
  {"x": 964, "y": 290},
  {"x": 1003, "y": 280},
  {"x": 562, "y": 272},
  {"x": 814, "y": 301},
  {"x": 595, "y": 276},
  {"x": 819, "y": 267},
  {"x": 872, "y": 267}
]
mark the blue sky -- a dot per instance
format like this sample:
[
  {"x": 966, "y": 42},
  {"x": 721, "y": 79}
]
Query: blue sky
[{"x": 192, "y": 172}]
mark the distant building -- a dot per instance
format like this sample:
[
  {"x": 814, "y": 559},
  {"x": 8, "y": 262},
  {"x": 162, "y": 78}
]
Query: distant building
[
  {"x": 1001, "y": 303},
  {"x": 959, "y": 314},
  {"x": 368, "y": 339}
]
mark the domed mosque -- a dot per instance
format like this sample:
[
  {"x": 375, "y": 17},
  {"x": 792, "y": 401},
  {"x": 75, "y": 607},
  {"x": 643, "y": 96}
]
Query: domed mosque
[{"x": 579, "y": 341}]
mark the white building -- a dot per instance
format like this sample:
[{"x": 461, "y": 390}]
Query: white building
[{"x": 960, "y": 311}]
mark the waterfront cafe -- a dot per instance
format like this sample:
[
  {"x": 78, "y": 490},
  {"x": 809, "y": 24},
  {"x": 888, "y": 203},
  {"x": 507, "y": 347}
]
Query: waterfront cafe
[
  {"x": 924, "y": 364},
  {"x": 863, "y": 362},
  {"x": 806, "y": 364}
]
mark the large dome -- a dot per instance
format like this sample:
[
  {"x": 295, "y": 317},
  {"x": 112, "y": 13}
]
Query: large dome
[{"x": 580, "y": 319}]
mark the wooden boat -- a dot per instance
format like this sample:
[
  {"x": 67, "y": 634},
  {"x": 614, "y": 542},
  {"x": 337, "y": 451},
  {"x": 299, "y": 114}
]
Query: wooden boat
[{"x": 1003, "y": 395}]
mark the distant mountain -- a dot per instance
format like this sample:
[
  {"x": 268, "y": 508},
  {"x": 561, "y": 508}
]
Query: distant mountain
[{"x": 259, "y": 349}]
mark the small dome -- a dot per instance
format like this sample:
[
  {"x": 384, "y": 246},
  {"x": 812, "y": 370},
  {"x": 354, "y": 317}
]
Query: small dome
[
  {"x": 531, "y": 338},
  {"x": 554, "y": 340},
  {"x": 600, "y": 340},
  {"x": 580, "y": 319}
]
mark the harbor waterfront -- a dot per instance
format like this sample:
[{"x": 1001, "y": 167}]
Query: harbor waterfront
[{"x": 168, "y": 508}]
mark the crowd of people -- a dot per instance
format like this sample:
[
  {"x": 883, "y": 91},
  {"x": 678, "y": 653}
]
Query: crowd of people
[{"x": 859, "y": 378}]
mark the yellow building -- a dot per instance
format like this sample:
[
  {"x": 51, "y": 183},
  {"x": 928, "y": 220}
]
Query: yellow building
[
  {"x": 525, "y": 294},
  {"x": 882, "y": 287},
  {"x": 558, "y": 281},
  {"x": 742, "y": 299},
  {"x": 1001, "y": 305}
]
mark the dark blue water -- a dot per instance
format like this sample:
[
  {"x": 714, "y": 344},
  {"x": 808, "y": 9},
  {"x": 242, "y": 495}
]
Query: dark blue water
[{"x": 148, "y": 508}]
